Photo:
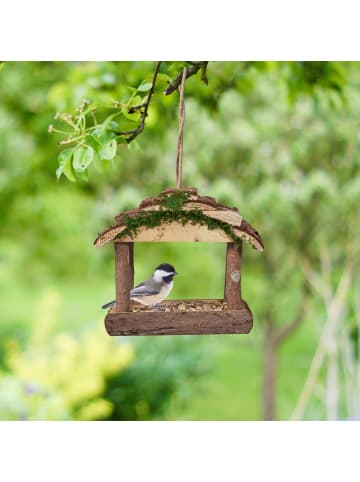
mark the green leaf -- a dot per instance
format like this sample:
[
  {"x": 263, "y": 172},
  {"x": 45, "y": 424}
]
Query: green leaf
[
  {"x": 83, "y": 157},
  {"x": 114, "y": 126},
  {"x": 92, "y": 141},
  {"x": 176, "y": 67},
  {"x": 164, "y": 77},
  {"x": 135, "y": 116},
  {"x": 145, "y": 87},
  {"x": 99, "y": 136},
  {"x": 59, "y": 171},
  {"x": 108, "y": 151},
  {"x": 136, "y": 100},
  {"x": 108, "y": 121},
  {"x": 102, "y": 136},
  {"x": 104, "y": 133},
  {"x": 65, "y": 167}
]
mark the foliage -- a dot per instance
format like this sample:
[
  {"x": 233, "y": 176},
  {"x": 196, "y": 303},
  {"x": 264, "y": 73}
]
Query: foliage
[
  {"x": 123, "y": 110},
  {"x": 22, "y": 401},
  {"x": 279, "y": 140},
  {"x": 61, "y": 368},
  {"x": 317, "y": 77},
  {"x": 163, "y": 375},
  {"x": 89, "y": 377},
  {"x": 98, "y": 127}
]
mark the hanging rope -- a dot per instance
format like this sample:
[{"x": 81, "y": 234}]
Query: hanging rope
[{"x": 179, "y": 151}]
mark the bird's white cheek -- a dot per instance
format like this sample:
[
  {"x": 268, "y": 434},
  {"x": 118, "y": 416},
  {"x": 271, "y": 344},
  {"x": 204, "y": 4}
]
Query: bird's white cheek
[
  {"x": 170, "y": 287},
  {"x": 159, "y": 274}
]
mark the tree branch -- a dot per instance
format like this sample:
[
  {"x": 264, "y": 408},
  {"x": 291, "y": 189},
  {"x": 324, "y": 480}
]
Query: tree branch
[
  {"x": 284, "y": 331},
  {"x": 144, "y": 113},
  {"x": 135, "y": 132},
  {"x": 316, "y": 281},
  {"x": 334, "y": 317},
  {"x": 190, "y": 71}
]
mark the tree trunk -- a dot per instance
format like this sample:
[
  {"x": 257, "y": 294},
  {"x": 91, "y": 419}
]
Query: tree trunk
[
  {"x": 274, "y": 337},
  {"x": 270, "y": 366},
  {"x": 332, "y": 379}
]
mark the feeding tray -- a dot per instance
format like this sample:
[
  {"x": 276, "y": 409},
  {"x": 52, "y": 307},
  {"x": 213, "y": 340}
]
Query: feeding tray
[{"x": 179, "y": 215}]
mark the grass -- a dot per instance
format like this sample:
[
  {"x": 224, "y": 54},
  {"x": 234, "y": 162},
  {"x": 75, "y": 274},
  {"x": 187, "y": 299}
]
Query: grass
[{"x": 231, "y": 391}]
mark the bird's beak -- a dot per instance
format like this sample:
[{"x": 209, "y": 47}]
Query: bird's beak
[{"x": 176, "y": 272}]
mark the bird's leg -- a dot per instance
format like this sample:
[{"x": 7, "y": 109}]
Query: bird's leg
[{"x": 157, "y": 307}]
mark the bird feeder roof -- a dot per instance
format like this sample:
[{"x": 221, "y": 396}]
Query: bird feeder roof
[{"x": 169, "y": 209}]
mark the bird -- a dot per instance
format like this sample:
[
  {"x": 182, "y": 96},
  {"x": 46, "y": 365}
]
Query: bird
[{"x": 153, "y": 290}]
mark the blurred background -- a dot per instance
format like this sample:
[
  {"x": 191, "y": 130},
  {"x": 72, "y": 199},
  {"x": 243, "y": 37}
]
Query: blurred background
[{"x": 278, "y": 140}]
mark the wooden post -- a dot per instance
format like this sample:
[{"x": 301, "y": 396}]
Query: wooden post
[
  {"x": 232, "y": 292},
  {"x": 131, "y": 247},
  {"x": 124, "y": 269}
]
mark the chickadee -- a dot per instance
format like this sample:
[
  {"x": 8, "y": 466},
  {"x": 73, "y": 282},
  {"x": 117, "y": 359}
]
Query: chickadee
[{"x": 153, "y": 290}]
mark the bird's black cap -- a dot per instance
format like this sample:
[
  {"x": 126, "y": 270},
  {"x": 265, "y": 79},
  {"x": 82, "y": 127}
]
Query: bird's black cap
[{"x": 169, "y": 268}]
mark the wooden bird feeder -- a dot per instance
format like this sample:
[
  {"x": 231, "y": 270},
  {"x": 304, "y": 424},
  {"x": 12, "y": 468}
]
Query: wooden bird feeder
[{"x": 179, "y": 215}]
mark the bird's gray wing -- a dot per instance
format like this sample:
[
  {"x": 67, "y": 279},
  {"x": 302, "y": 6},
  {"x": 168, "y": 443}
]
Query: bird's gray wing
[{"x": 142, "y": 290}]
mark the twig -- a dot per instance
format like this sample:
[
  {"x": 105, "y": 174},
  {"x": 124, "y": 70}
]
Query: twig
[
  {"x": 134, "y": 108},
  {"x": 195, "y": 67},
  {"x": 135, "y": 132},
  {"x": 284, "y": 331},
  {"x": 203, "y": 73},
  {"x": 190, "y": 71},
  {"x": 144, "y": 113},
  {"x": 287, "y": 330}
]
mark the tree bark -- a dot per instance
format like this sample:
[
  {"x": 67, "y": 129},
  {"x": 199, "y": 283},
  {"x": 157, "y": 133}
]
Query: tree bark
[
  {"x": 232, "y": 292},
  {"x": 270, "y": 370},
  {"x": 274, "y": 337},
  {"x": 124, "y": 276}
]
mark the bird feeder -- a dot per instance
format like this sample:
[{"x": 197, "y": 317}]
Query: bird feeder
[{"x": 179, "y": 215}]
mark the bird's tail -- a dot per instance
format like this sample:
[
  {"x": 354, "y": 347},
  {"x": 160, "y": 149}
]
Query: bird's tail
[{"x": 107, "y": 305}]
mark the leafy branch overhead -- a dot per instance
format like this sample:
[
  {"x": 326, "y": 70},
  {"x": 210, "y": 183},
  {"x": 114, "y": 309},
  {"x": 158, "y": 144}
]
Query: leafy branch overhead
[
  {"x": 94, "y": 139},
  {"x": 91, "y": 136}
]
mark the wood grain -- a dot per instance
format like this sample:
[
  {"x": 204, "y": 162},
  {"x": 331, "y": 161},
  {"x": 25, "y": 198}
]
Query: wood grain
[
  {"x": 232, "y": 292},
  {"x": 181, "y": 323},
  {"x": 230, "y": 217},
  {"x": 131, "y": 261},
  {"x": 123, "y": 275},
  {"x": 108, "y": 235},
  {"x": 176, "y": 232}
]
